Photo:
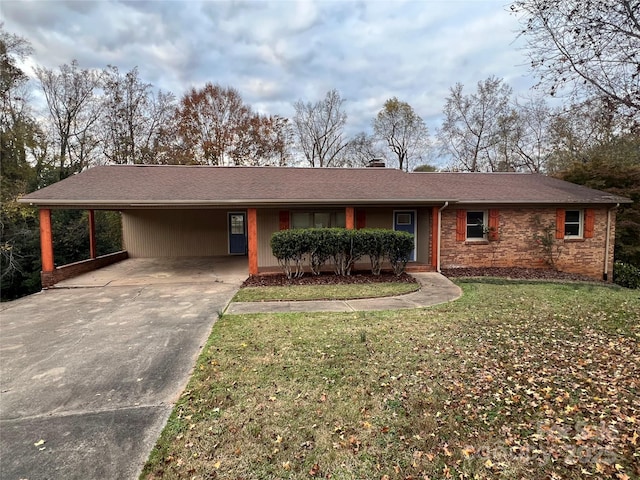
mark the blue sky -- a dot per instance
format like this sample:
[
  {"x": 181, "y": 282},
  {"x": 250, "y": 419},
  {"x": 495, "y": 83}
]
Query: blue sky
[{"x": 277, "y": 52}]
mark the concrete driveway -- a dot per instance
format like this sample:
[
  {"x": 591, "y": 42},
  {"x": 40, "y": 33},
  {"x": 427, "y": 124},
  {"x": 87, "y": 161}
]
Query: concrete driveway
[{"x": 88, "y": 375}]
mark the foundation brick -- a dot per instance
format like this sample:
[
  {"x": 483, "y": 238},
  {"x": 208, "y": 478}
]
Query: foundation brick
[{"x": 49, "y": 279}]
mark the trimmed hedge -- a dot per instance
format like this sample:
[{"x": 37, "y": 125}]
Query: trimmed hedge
[
  {"x": 343, "y": 247},
  {"x": 290, "y": 247}
]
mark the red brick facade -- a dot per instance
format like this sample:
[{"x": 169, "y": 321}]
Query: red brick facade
[{"x": 516, "y": 245}]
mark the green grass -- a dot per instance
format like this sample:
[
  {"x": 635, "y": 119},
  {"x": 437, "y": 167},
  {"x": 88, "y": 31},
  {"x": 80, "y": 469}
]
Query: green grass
[
  {"x": 510, "y": 381},
  {"x": 324, "y": 292}
]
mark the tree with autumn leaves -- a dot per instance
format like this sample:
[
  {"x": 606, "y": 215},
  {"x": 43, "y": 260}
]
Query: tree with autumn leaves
[{"x": 216, "y": 127}]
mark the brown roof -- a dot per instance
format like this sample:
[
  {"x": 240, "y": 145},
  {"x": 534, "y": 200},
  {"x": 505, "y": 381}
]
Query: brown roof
[{"x": 137, "y": 186}]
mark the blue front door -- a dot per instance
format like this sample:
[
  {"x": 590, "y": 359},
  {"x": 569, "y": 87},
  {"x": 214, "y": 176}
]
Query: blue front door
[
  {"x": 238, "y": 233},
  {"x": 405, "y": 221}
]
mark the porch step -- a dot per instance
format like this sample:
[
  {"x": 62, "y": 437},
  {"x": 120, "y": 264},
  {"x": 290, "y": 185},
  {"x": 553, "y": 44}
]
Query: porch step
[{"x": 417, "y": 268}]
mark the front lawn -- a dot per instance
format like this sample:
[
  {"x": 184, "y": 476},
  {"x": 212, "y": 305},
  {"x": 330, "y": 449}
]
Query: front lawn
[
  {"x": 513, "y": 380},
  {"x": 324, "y": 292}
]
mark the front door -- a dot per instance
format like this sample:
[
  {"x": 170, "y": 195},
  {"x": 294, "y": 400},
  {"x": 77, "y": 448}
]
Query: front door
[
  {"x": 238, "y": 233},
  {"x": 405, "y": 221}
]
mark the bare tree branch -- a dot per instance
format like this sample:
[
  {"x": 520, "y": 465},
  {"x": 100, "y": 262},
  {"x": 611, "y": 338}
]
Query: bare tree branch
[
  {"x": 404, "y": 132},
  {"x": 589, "y": 46},
  {"x": 319, "y": 130}
]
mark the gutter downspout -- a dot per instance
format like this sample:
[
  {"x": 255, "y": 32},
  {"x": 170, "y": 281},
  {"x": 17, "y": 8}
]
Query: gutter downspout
[
  {"x": 605, "y": 274},
  {"x": 446, "y": 204}
]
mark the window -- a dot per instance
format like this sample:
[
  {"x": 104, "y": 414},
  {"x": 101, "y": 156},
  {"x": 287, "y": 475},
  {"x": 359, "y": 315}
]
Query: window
[
  {"x": 573, "y": 224},
  {"x": 237, "y": 224},
  {"x": 403, "y": 219},
  {"x": 318, "y": 219},
  {"x": 476, "y": 222}
]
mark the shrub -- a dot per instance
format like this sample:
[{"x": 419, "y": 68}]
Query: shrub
[
  {"x": 344, "y": 248},
  {"x": 289, "y": 247},
  {"x": 318, "y": 241},
  {"x": 545, "y": 239},
  {"x": 626, "y": 275},
  {"x": 373, "y": 244},
  {"x": 398, "y": 248}
]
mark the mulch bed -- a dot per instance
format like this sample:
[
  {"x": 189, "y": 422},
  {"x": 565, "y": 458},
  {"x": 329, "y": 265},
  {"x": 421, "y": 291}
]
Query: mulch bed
[
  {"x": 515, "y": 273},
  {"x": 329, "y": 278},
  {"x": 279, "y": 280}
]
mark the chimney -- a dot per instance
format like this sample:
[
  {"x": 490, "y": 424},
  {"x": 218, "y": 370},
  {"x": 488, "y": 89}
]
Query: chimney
[{"x": 376, "y": 163}]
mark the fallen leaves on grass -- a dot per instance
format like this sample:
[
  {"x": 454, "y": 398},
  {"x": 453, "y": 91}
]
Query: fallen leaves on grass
[{"x": 517, "y": 381}]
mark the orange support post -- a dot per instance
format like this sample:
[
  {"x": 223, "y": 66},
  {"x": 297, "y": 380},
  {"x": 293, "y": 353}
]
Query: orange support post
[
  {"x": 46, "y": 241},
  {"x": 350, "y": 220},
  {"x": 435, "y": 236},
  {"x": 92, "y": 235},
  {"x": 252, "y": 229}
]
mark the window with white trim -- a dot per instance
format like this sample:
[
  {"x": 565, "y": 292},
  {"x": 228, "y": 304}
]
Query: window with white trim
[
  {"x": 573, "y": 223},
  {"x": 476, "y": 222}
]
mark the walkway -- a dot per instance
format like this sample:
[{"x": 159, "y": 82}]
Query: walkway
[{"x": 434, "y": 289}]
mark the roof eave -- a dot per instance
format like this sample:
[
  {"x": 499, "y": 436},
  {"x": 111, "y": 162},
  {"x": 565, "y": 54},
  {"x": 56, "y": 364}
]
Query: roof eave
[
  {"x": 133, "y": 204},
  {"x": 547, "y": 202},
  {"x": 130, "y": 204}
]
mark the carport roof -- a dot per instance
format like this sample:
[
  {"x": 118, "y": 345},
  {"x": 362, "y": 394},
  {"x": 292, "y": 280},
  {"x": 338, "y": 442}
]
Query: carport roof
[{"x": 154, "y": 186}]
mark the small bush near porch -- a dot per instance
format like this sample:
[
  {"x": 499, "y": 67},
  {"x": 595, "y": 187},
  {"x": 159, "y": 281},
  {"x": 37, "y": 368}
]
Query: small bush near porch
[
  {"x": 342, "y": 248},
  {"x": 514, "y": 380}
]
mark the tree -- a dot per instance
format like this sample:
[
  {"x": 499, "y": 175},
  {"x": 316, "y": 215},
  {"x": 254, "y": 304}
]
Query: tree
[
  {"x": 17, "y": 126},
  {"x": 404, "y": 132},
  {"x": 12, "y": 48},
  {"x": 426, "y": 168},
  {"x": 74, "y": 110},
  {"x": 591, "y": 45},
  {"x": 614, "y": 166},
  {"x": 319, "y": 130},
  {"x": 215, "y": 127},
  {"x": 579, "y": 127},
  {"x": 474, "y": 128},
  {"x": 361, "y": 149},
  {"x": 126, "y": 99},
  {"x": 262, "y": 141},
  {"x": 133, "y": 117},
  {"x": 209, "y": 120},
  {"x": 19, "y": 135},
  {"x": 531, "y": 133}
]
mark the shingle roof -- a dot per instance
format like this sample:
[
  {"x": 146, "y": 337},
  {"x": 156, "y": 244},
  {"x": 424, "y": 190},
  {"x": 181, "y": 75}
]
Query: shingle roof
[{"x": 132, "y": 186}]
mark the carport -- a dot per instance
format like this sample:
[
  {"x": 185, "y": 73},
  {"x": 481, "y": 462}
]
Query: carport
[
  {"x": 177, "y": 235},
  {"x": 163, "y": 271}
]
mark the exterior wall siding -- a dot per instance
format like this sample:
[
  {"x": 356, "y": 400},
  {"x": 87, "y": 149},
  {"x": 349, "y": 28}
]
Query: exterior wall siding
[
  {"x": 175, "y": 233},
  {"x": 383, "y": 218},
  {"x": 268, "y": 224},
  {"x": 423, "y": 235},
  {"x": 379, "y": 217},
  {"x": 516, "y": 246}
]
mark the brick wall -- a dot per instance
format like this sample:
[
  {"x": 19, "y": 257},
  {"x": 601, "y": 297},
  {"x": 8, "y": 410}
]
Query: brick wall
[
  {"x": 516, "y": 246},
  {"x": 71, "y": 270}
]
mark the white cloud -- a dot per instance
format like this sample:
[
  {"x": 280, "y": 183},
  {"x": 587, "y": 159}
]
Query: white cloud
[{"x": 276, "y": 52}]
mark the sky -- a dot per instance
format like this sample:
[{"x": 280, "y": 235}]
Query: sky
[{"x": 277, "y": 52}]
